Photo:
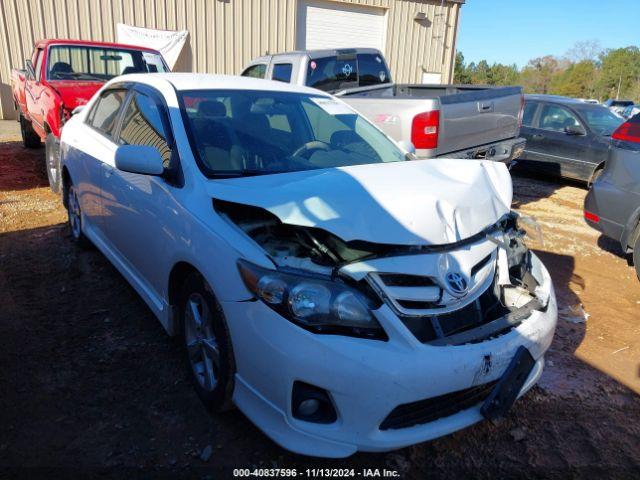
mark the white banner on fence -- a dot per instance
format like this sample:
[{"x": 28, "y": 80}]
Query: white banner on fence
[{"x": 168, "y": 42}]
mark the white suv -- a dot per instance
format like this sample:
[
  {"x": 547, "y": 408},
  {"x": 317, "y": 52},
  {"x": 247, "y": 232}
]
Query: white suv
[{"x": 343, "y": 295}]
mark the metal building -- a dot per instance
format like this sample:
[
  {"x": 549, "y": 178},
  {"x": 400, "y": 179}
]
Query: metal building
[{"x": 416, "y": 36}]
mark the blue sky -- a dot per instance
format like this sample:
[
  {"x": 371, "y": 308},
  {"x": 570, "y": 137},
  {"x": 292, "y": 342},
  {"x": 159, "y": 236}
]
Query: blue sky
[{"x": 515, "y": 31}]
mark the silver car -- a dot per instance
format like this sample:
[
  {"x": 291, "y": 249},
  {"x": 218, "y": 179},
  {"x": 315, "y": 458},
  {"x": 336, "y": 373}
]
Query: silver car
[{"x": 613, "y": 202}]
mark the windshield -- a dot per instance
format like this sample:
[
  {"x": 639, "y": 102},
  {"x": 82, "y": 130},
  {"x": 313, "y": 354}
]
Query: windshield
[
  {"x": 347, "y": 71},
  {"x": 243, "y": 132},
  {"x": 601, "y": 120},
  {"x": 69, "y": 62}
]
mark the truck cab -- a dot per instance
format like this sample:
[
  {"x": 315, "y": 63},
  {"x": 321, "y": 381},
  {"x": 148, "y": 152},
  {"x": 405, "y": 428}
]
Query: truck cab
[{"x": 62, "y": 75}]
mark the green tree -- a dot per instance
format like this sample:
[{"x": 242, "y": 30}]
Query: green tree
[
  {"x": 620, "y": 71},
  {"x": 460, "y": 72},
  {"x": 537, "y": 75},
  {"x": 576, "y": 81}
]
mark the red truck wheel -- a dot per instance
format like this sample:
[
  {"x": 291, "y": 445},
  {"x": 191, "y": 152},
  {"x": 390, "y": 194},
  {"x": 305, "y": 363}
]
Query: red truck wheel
[
  {"x": 52, "y": 156},
  {"x": 30, "y": 138}
]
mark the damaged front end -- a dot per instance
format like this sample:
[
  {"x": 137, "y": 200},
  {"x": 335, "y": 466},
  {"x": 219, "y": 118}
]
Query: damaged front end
[{"x": 469, "y": 291}]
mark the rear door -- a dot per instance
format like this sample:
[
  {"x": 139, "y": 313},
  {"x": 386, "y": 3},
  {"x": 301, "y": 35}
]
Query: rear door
[
  {"x": 92, "y": 144},
  {"x": 531, "y": 131}
]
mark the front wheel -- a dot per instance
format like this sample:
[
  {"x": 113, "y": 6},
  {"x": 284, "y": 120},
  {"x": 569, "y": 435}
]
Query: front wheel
[
  {"x": 52, "y": 155},
  {"x": 30, "y": 138},
  {"x": 74, "y": 214},
  {"x": 207, "y": 344}
]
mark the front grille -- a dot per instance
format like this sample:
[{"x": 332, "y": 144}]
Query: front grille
[
  {"x": 431, "y": 409},
  {"x": 432, "y": 314}
]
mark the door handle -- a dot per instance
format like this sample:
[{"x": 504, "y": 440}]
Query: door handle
[
  {"x": 485, "y": 107},
  {"x": 538, "y": 136}
]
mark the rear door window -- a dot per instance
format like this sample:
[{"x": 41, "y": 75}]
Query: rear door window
[
  {"x": 529, "y": 113},
  {"x": 104, "y": 115},
  {"x": 282, "y": 72}
]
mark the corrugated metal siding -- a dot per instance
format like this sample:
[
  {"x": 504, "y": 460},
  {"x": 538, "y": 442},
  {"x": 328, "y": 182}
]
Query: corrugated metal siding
[
  {"x": 428, "y": 46},
  {"x": 224, "y": 34}
]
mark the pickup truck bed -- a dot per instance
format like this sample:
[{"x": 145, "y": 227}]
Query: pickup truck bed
[{"x": 473, "y": 121}]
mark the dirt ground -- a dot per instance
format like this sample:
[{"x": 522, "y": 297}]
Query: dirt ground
[{"x": 90, "y": 386}]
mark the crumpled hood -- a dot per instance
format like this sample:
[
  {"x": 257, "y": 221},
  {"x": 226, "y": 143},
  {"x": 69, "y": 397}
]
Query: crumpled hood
[
  {"x": 422, "y": 202},
  {"x": 75, "y": 93}
]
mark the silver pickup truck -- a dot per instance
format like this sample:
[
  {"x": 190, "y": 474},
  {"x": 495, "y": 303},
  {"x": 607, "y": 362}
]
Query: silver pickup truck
[{"x": 461, "y": 121}]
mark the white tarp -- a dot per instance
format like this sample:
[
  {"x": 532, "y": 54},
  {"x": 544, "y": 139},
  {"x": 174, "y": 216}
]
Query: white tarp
[{"x": 168, "y": 42}]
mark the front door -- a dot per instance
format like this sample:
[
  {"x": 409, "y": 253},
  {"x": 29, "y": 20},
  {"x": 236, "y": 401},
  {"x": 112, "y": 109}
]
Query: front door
[{"x": 563, "y": 152}]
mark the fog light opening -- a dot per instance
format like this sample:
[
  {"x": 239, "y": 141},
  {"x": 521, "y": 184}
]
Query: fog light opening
[{"x": 312, "y": 404}]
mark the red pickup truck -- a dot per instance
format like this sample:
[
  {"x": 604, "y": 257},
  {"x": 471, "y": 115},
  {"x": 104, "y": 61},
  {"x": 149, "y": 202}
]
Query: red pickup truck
[{"x": 62, "y": 75}]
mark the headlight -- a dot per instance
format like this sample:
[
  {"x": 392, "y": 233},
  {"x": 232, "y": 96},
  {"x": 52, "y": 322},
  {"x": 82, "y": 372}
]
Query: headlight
[{"x": 319, "y": 305}]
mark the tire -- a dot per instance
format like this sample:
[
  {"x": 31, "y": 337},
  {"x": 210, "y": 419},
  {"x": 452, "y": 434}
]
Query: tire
[
  {"x": 30, "y": 138},
  {"x": 74, "y": 216},
  {"x": 636, "y": 255},
  {"x": 52, "y": 158},
  {"x": 207, "y": 344}
]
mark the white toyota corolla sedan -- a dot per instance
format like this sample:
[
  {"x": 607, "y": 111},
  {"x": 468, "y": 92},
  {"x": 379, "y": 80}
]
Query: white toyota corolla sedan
[{"x": 342, "y": 294}]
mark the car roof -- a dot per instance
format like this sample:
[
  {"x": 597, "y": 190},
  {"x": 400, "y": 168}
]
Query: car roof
[
  {"x": 89, "y": 43},
  {"x": 207, "y": 81}
]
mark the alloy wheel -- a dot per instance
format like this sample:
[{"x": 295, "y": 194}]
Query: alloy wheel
[
  {"x": 74, "y": 213},
  {"x": 200, "y": 338}
]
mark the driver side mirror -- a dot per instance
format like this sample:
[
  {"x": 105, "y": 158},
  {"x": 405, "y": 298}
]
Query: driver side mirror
[
  {"x": 141, "y": 159},
  {"x": 576, "y": 130},
  {"x": 30, "y": 73}
]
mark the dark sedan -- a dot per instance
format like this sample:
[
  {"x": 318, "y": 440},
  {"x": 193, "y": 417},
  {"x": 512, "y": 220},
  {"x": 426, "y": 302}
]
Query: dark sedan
[
  {"x": 566, "y": 137},
  {"x": 613, "y": 202}
]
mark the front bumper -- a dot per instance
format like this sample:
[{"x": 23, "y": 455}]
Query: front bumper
[{"x": 366, "y": 379}]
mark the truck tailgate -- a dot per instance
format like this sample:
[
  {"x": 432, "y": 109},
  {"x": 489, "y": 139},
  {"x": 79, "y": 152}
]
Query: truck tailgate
[
  {"x": 478, "y": 117},
  {"x": 470, "y": 116}
]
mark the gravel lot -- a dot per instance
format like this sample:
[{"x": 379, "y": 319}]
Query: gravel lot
[{"x": 91, "y": 386}]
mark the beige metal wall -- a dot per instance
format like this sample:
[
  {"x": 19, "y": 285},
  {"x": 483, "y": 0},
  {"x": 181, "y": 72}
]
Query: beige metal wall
[{"x": 224, "y": 34}]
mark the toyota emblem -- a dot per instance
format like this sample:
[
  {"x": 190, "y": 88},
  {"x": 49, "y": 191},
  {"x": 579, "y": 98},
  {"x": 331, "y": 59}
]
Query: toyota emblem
[{"x": 458, "y": 285}]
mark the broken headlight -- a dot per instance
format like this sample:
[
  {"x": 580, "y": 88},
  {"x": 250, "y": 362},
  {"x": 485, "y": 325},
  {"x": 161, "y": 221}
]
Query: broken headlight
[
  {"x": 530, "y": 228},
  {"x": 316, "y": 304}
]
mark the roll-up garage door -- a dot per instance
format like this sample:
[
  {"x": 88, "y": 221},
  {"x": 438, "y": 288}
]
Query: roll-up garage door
[{"x": 326, "y": 24}]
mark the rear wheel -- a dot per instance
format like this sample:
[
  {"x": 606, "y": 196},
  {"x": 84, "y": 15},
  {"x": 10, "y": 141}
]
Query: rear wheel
[
  {"x": 207, "y": 344},
  {"x": 52, "y": 155},
  {"x": 30, "y": 138}
]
